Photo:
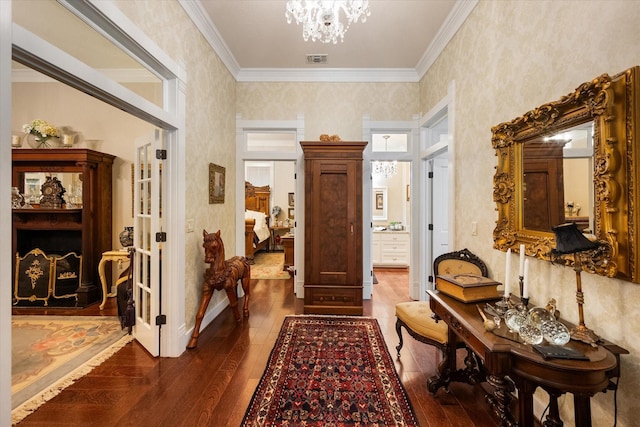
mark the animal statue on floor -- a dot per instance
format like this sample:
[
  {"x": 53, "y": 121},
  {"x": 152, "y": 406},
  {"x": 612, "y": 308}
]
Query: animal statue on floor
[{"x": 221, "y": 274}]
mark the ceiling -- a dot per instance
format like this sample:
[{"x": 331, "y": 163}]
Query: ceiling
[{"x": 400, "y": 37}]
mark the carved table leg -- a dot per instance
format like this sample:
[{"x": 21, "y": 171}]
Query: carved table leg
[
  {"x": 500, "y": 400},
  {"x": 448, "y": 365},
  {"x": 553, "y": 418},
  {"x": 582, "y": 409}
]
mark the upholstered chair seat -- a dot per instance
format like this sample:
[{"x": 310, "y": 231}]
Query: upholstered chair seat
[{"x": 417, "y": 318}]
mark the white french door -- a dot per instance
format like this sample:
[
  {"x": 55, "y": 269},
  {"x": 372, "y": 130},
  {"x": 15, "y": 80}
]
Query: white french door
[{"x": 147, "y": 220}]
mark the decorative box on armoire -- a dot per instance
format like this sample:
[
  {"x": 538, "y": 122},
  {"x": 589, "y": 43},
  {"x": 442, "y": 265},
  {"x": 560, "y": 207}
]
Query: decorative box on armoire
[
  {"x": 80, "y": 223},
  {"x": 333, "y": 227}
]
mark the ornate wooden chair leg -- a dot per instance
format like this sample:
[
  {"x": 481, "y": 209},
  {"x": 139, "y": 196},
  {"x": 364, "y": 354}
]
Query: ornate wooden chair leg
[{"x": 399, "y": 331}]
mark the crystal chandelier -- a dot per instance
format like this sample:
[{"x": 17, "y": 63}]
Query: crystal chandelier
[
  {"x": 385, "y": 169},
  {"x": 320, "y": 19}
]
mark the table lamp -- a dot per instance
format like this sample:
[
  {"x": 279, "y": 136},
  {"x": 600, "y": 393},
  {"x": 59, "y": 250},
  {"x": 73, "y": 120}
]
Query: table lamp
[{"x": 570, "y": 240}]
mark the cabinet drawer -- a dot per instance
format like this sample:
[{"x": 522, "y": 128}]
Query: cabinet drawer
[
  {"x": 333, "y": 296},
  {"x": 395, "y": 248},
  {"x": 393, "y": 238},
  {"x": 401, "y": 258}
]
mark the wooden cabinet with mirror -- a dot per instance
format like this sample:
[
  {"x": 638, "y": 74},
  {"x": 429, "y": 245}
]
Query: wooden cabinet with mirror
[
  {"x": 82, "y": 222},
  {"x": 600, "y": 119}
]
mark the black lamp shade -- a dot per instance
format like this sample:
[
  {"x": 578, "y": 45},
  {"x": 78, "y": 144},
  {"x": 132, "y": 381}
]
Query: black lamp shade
[{"x": 569, "y": 239}]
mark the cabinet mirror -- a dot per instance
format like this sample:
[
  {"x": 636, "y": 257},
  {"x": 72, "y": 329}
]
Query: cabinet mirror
[
  {"x": 71, "y": 181},
  {"x": 573, "y": 160}
]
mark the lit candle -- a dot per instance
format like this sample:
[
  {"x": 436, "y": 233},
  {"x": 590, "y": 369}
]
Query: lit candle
[
  {"x": 15, "y": 141},
  {"x": 67, "y": 140},
  {"x": 525, "y": 286},
  {"x": 521, "y": 272},
  {"x": 507, "y": 273}
]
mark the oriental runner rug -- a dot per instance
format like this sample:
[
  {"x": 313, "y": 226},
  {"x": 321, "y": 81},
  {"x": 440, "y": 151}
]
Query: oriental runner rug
[
  {"x": 330, "y": 371},
  {"x": 49, "y": 353}
]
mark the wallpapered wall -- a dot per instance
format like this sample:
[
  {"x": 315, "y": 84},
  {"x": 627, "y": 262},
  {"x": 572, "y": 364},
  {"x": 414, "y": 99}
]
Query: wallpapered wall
[
  {"x": 508, "y": 58},
  {"x": 210, "y": 132}
]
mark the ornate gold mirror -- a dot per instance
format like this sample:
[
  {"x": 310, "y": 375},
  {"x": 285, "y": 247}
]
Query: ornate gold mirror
[{"x": 534, "y": 183}]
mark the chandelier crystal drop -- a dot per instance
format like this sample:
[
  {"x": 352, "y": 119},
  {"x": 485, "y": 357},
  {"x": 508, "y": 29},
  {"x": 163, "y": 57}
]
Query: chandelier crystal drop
[
  {"x": 321, "y": 19},
  {"x": 385, "y": 169}
]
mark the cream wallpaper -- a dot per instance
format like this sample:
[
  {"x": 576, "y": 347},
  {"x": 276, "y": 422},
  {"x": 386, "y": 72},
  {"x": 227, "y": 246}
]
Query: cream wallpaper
[
  {"x": 210, "y": 132},
  {"x": 508, "y": 58},
  {"x": 331, "y": 108}
]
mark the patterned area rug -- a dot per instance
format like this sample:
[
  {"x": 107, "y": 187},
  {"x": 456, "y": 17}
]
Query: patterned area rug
[
  {"x": 49, "y": 353},
  {"x": 269, "y": 265},
  {"x": 330, "y": 371}
]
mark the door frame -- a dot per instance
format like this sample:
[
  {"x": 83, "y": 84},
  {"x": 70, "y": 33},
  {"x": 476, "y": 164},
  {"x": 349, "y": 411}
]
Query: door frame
[
  {"x": 243, "y": 127},
  {"x": 443, "y": 110},
  {"x": 412, "y": 129}
]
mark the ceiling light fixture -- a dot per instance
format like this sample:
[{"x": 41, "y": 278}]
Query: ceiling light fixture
[
  {"x": 385, "y": 169},
  {"x": 320, "y": 19}
]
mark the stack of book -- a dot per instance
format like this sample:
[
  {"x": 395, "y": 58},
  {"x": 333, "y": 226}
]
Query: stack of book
[{"x": 468, "y": 287}]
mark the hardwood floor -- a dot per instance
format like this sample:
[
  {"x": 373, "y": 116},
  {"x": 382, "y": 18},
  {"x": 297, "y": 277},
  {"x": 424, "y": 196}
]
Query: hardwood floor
[{"x": 213, "y": 384}]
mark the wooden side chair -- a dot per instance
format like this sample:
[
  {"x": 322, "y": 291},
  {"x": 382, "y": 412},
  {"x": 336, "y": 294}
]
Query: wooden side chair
[{"x": 417, "y": 318}]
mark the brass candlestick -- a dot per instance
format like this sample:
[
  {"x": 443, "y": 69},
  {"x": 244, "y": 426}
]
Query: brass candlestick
[{"x": 570, "y": 240}]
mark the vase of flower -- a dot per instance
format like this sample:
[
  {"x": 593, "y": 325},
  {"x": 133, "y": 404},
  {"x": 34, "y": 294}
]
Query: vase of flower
[
  {"x": 41, "y": 134},
  {"x": 42, "y": 142}
]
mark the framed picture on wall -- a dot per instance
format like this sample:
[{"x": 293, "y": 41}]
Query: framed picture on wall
[
  {"x": 291, "y": 213},
  {"x": 216, "y": 183},
  {"x": 291, "y": 201}
]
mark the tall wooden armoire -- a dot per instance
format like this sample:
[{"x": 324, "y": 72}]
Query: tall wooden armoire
[
  {"x": 333, "y": 227},
  {"x": 543, "y": 185}
]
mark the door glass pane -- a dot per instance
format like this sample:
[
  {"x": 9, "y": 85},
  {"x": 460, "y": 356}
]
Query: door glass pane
[
  {"x": 271, "y": 141},
  {"x": 52, "y": 22},
  {"x": 389, "y": 142}
]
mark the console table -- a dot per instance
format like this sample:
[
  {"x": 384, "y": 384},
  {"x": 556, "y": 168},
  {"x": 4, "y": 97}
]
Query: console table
[
  {"x": 118, "y": 256},
  {"x": 507, "y": 364}
]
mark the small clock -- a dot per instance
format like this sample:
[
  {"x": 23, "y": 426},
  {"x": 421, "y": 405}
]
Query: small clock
[{"x": 52, "y": 192}]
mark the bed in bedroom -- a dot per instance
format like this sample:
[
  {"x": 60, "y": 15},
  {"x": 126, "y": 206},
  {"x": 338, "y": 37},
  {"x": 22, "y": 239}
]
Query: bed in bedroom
[{"x": 256, "y": 219}]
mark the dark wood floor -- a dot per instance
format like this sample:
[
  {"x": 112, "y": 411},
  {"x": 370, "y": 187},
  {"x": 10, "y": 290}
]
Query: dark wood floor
[{"x": 213, "y": 384}]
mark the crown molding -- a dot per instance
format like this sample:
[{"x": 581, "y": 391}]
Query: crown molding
[
  {"x": 357, "y": 75},
  {"x": 199, "y": 16},
  {"x": 461, "y": 10}
]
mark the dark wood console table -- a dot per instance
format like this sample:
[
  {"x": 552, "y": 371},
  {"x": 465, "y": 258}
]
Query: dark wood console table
[{"x": 507, "y": 364}]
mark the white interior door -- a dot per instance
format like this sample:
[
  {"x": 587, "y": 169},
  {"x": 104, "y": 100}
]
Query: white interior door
[
  {"x": 147, "y": 242},
  {"x": 437, "y": 211},
  {"x": 440, "y": 192}
]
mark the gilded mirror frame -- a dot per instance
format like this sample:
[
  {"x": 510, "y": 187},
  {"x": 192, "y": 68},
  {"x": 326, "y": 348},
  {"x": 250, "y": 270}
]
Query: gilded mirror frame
[{"x": 612, "y": 104}]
